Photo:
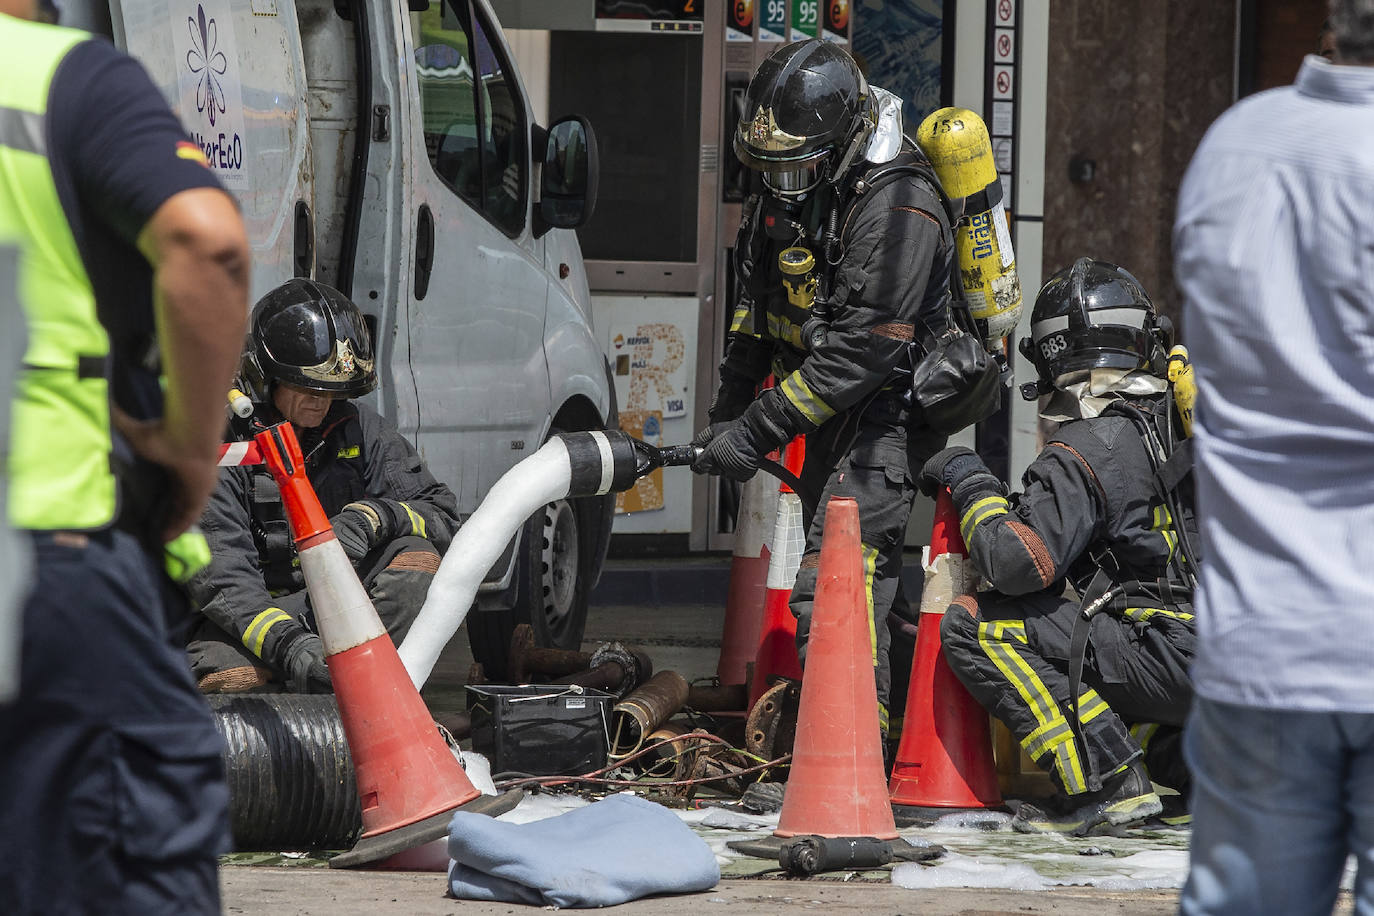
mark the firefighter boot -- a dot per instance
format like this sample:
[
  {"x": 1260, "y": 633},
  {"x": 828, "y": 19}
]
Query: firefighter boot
[{"x": 1126, "y": 798}]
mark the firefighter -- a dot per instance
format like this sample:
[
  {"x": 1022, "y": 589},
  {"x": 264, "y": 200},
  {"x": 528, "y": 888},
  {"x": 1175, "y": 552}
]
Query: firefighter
[
  {"x": 1107, "y": 508},
  {"x": 308, "y": 355},
  {"x": 843, "y": 262}
]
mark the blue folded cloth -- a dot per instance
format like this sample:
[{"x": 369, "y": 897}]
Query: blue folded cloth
[{"x": 615, "y": 850}]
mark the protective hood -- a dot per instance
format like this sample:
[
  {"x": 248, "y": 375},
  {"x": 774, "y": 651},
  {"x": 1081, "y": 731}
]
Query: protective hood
[
  {"x": 886, "y": 141},
  {"x": 1086, "y": 394}
]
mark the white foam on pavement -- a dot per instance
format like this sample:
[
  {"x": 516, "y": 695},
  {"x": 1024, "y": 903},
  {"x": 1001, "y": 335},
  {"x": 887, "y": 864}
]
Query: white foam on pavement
[
  {"x": 538, "y": 807},
  {"x": 1146, "y": 870},
  {"x": 954, "y": 870},
  {"x": 478, "y": 769}
]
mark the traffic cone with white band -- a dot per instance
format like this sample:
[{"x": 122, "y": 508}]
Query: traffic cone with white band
[
  {"x": 835, "y": 787},
  {"x": 945, "y": 757},
  {"x": 744, "y": 603},
  {"x": 409, "y": 781},
  {"x": 777, "y": 643}
]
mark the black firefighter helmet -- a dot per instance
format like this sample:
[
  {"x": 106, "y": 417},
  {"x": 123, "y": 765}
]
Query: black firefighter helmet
[
  {"x": 807, "y": 114},
  {"x": 311, "y": 336},
  {"x": 1093, "y": 315}
]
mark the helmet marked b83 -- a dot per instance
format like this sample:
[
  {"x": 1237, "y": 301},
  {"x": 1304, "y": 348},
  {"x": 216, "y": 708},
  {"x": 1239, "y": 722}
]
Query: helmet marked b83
[
  {"x": 1093, "y": 315},
  {"x": 310, "y": 336}
]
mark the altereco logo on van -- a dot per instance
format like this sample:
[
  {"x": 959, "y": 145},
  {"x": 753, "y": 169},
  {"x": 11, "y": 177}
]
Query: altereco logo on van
[
  {"x": 210, "y": 98},
  {"x": 207, "y": 61}
]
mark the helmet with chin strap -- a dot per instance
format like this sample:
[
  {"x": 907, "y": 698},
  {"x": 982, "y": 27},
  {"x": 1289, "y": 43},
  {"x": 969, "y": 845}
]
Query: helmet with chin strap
[
  {"x": 311, "y": 336},
  {"x": 1093, "y": 315},
  {"x": 808, "y": 113}
]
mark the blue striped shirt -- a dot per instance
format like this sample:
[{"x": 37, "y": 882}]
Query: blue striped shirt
[{"x": 1274, "y": 251}]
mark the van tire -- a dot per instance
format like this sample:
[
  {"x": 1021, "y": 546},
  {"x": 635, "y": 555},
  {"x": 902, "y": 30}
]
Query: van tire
[{"x": 553, "y": 575}]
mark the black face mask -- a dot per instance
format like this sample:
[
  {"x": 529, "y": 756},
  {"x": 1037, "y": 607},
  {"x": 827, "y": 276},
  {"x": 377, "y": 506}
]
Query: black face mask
[{"x": 781, "y": 217}]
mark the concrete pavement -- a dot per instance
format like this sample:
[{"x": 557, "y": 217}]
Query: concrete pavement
[
  {"x": 321, "y": 892},
  {"x": 685, "y": 637}
]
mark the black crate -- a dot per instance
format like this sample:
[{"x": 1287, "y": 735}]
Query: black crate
[{"x": 540, "y": 730}]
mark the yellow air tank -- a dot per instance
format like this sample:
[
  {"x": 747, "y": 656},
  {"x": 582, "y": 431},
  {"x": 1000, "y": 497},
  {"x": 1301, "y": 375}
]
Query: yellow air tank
[
  {"x": 955, "y": 140},
  {"x": 1184, "y": 385}
]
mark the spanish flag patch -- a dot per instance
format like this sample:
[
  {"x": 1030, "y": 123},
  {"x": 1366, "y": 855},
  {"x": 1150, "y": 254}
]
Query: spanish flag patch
[{"x": 188, "y": 150}]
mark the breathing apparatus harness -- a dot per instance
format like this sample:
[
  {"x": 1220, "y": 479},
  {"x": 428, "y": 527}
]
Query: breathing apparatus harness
[{"x": 1171, "y": 460}]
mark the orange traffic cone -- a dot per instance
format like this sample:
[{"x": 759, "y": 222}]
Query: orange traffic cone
[
  {"x": 777, "y": 642},
  {"x": 835, "y": 787},
  {"x": 748, "y": 574},
  {"x": 408, "y": 780},
  {"x": 945, "y": 757}
]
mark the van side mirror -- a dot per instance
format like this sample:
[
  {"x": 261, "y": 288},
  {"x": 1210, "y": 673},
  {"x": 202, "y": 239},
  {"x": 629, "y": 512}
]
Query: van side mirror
[{"x": 567, "y": 187}]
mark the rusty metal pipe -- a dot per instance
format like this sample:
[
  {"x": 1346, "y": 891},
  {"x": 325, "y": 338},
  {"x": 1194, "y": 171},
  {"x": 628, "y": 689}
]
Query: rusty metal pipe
[
  {"x": 614, "y": 669},
  {"x": 644, "y": 710},
  {"x": 724, "y": 698},
  {"x": 527, "y": 658},
  {"x": 673, "y": 760},
  {"x": 603, "y": 677}
]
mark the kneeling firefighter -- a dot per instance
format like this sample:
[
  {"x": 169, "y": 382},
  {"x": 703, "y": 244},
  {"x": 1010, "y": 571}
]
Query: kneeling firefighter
[
  {"x": 844, "y": 269},
  {"x": 308, "y": 355},
  {"x": 1094, "y": 685}
]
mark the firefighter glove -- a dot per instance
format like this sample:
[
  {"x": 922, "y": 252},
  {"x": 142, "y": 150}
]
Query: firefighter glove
[
  {"x": 732, "y": 452},
  {"x": 304, "y": 665},
  {"x": 958, "y": 468},
  {"x": 710, "y": 432},
  {"x": 359, "y": 528}
]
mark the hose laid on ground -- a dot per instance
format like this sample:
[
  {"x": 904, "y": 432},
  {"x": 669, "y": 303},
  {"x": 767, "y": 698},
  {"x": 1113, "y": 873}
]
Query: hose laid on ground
[{"x": 290, "y": 774}]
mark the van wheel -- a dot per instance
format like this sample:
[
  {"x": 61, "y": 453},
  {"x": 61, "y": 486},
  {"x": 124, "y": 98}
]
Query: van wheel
[{"x": 552, "y": 588}]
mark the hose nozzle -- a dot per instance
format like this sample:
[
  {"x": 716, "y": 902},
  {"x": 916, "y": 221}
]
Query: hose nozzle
[{"x": 240, "y": 404}]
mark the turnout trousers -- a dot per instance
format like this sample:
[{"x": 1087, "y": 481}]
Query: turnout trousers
[
  {"x": 396, "y": 575},
  {"x": 115, "y": 800},
  {"x": 1012, "y": 653},
  {"x": 874, "y": 461}
]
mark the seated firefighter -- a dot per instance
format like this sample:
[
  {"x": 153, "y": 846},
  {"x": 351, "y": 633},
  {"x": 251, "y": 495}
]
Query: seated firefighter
[
  {"x": 307, "y": 355},
  {"x": 1105, "y": 510}
]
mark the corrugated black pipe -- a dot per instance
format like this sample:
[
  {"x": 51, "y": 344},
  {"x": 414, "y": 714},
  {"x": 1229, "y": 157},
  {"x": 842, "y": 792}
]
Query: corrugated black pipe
[{"x": 291, "y": 781}]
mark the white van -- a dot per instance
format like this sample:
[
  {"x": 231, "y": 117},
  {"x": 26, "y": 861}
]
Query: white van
[{"x": 384, "y": 147}]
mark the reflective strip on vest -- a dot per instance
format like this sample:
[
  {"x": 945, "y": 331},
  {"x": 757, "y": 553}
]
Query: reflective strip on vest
[{"x": 59, "y": 462}]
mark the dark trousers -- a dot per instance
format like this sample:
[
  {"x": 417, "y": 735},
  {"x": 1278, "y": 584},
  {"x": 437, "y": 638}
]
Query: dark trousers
[
  {"x": 1013, "y": 656},
  {"x": 396, "y": 576},
  {"x": 115, "y": 800},
  {"x": 873, "y": 460}
]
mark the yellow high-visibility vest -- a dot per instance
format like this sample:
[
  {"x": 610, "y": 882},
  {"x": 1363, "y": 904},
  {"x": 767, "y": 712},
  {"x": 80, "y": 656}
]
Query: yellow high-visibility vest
[{"x": 60, "y": 476}]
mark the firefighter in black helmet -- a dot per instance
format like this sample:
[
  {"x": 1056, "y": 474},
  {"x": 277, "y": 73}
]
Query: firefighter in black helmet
[
  {"x": 1107, "y": 508},
  {"x": 308, "y": 354},
  {"x": 843, "y": 261}
]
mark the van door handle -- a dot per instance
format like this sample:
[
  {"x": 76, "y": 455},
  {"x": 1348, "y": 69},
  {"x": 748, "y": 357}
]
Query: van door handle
[
  {"x": 424, "y": 250},
  {"x": 303, "y": 254}
]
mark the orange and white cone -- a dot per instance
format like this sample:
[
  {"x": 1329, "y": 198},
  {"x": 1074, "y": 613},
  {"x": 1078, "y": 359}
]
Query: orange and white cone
[
  {"x": 409, "y": 781},
  {"x": 835, "y": 787},
  {"x": 739, "y": 638},
  {"x": 945, "y": 757},
  {"x": 777, "y": 642}
]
